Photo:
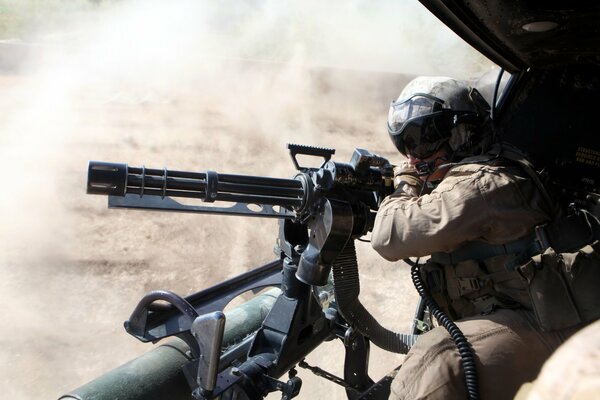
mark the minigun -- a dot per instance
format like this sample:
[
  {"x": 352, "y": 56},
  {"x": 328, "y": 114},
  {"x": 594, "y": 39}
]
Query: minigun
[{"x": 322, "y": 211}]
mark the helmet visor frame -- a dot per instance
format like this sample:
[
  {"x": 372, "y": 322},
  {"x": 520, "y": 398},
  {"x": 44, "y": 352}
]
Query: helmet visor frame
[
  {"x": 420, "y": 126},
  {"x": 417, "y": 105}
]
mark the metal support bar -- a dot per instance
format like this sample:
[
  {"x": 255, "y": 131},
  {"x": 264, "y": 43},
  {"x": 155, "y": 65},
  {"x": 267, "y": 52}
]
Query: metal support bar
[{"x": 132, "y": 201}]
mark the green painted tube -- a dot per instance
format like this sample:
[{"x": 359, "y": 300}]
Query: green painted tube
[{"x": 157, "y": 374}]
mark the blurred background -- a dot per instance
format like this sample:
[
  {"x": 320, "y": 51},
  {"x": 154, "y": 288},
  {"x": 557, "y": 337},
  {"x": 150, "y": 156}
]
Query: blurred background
[{"x": 188, "y": 85}]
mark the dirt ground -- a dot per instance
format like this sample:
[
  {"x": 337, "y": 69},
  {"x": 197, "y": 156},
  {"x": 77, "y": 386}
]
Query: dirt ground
[
  {"x": 72, "y": 270},
  {"x": 149, "y": 83}
]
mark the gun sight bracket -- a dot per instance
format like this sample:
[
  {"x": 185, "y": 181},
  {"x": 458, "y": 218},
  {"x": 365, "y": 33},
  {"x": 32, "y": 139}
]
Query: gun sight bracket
[{"x": 299, "y": 149}]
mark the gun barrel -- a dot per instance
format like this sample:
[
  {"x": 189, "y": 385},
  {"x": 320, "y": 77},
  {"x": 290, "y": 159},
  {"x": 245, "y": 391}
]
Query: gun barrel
[{"x": 120, "y": 179}]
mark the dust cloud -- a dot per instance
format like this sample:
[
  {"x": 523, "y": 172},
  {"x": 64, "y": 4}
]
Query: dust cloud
[{"x": 191, "y": 86}]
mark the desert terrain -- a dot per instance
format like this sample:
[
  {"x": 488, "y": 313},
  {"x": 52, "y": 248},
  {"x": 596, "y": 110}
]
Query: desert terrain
[
  {"x": 160, "y": 89},
  {"x": 72, "y": 270}
]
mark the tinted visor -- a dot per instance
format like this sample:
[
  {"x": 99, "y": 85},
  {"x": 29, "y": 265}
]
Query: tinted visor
[{"x": 419, "y": 125}]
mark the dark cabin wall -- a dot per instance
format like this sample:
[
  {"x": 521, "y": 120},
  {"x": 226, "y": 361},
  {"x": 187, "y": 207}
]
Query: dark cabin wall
[{"x": 554, "y": 116}]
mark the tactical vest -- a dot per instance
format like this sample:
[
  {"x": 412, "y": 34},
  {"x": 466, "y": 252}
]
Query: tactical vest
[{"x": 553, "y": 271}]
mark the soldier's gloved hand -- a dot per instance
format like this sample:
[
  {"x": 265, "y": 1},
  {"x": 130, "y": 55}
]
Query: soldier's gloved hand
[{"x": 406, "y": 179}]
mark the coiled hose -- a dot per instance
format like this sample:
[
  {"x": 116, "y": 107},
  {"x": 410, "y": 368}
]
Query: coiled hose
[
  {"x": 347, "y": 288},
  {"x": 467, "y": 358}
]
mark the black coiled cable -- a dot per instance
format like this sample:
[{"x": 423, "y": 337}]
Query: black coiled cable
[{"x": 467, "y": 358}]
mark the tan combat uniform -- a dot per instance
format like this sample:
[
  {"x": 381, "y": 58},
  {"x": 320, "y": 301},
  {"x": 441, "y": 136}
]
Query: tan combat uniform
[
  {"x": 573, "y": 371},
  {"x": 495, "y": 202}
]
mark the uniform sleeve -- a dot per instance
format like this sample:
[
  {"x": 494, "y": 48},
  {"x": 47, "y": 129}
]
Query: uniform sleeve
[{"x": 453, "y": 213}]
